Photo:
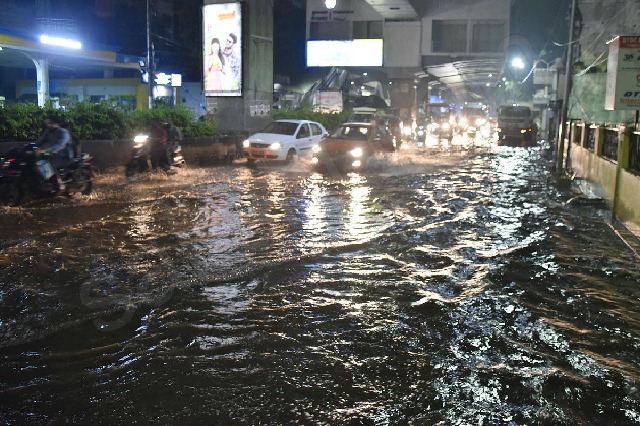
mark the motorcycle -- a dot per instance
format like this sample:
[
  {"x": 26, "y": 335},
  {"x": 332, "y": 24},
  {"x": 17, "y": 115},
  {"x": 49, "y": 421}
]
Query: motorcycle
[
  {"x": 141, "y": 151},
  {"x": 421, "y": 135},
  {"x": 23, "y": 172}
]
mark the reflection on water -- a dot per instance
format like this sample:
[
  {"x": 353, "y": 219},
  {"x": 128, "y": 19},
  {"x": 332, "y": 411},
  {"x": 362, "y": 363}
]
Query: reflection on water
[{"x": 444, "y": 286}]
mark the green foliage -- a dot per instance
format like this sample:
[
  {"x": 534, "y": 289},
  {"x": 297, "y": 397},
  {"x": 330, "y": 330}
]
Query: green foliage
[
  {"x": 21, "y": 122},
  {"x": 329, "y": 120},
  {"x": 96, "y": 121}
]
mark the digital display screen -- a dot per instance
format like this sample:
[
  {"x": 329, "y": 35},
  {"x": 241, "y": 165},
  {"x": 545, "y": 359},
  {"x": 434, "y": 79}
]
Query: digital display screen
[{"x": 345, "y": 53}]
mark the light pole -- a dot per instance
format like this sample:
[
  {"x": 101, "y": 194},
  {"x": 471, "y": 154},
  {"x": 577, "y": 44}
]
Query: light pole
[{"x": 150, "y": 58}]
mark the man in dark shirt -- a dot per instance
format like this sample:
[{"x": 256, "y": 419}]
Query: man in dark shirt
[{"x": 57, "y": 143}]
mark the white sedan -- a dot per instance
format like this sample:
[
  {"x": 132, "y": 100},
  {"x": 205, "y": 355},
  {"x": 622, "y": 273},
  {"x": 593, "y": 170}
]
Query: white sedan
[{"x": 281, "y": 140}]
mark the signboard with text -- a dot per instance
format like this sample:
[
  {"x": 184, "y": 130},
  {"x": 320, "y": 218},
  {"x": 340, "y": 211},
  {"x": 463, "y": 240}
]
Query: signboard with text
[{"x": 623, "y": 74}]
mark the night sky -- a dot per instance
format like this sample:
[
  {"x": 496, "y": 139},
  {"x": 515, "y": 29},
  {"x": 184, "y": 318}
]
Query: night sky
[{"x": 123, "y": 24}]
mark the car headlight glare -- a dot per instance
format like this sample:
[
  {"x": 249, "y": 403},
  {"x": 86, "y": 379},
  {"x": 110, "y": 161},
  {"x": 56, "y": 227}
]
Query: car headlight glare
[
  {"x": 357, "y": 152},
  {"x": 316, "y": 148},
  {"x": 246, "y": 143},
  {"x": 275, "y": 145},
  {"x": 140, "y": 138}
]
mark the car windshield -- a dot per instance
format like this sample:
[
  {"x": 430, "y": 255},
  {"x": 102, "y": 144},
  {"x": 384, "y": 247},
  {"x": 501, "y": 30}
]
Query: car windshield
[
  {"x": 281, "y": 128},
  {"x": 515, "y": 111},
  {"x": 361, "y": 118},
  {"x": 351, "y": 132}
]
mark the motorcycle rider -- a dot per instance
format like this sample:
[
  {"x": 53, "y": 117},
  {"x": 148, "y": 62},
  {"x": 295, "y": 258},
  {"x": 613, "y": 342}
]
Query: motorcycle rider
[
  {"x": 174, "y": 137},
  {"x": 159, "y": 146},
  {"x": 56, "y": 141}
]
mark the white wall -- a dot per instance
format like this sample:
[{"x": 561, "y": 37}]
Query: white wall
[
  {"x": 191, "y": 96},
  {"x": 402, "y": 44},
  {"x": 467, "y": 10}
]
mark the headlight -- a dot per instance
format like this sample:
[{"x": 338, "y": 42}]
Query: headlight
[
  {"x": 356, "y": 152},
  {"x": 275, "y": 145},
  {"x": 316, "y": 148},
  {"x": 406, "y": 130},
  {"x": 140, "y": 138},
  {"x": 246, "y": 143}
]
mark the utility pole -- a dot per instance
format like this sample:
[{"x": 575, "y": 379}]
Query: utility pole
[
  {"x": 566, "y": 92},
  {"x": 150, "y": 58}
]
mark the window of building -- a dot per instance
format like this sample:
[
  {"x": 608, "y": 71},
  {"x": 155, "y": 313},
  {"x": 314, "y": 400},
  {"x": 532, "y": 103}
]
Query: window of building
[
  {"x": 367, "y": 29},
  {"x": 449, "y": 36},
  {"x": 487, "y": 36},
  {"x": 330, "y": 30}
]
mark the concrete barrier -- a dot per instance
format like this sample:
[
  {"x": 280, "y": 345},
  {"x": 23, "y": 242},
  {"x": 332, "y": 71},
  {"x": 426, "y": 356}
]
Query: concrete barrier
[{"x": 203, "y": 150}]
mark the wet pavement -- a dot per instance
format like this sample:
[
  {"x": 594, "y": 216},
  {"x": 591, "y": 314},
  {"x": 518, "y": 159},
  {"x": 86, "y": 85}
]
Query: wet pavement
[{"x": 453, "y": 287}]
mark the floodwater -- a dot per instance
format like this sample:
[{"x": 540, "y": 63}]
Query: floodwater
[{"x": 452, "y": 287}]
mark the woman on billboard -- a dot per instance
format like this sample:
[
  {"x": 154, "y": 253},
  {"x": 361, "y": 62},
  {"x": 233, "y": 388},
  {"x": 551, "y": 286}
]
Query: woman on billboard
[{"x": 215, "y": 65}]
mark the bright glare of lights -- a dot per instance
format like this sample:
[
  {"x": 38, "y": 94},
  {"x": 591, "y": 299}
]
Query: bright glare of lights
[
  {"x": 60, "y": 41},
  {"x": 357, "y": 152},
  {"x": 517, "y": 63},
  {"x": 330, "y": 4}
]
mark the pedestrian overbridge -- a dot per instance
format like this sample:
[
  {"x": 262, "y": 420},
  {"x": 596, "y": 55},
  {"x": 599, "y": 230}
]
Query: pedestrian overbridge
[{"x": 18, "y": 51}]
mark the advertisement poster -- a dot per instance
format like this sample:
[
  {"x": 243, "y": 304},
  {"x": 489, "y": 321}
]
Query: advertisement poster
[
  {"x": 222, "y": 49},
  {"x": 623, "y": 74},
  {"x": 327, "y": 102}
]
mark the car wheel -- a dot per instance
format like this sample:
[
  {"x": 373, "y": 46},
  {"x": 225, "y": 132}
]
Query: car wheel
[{"x": 290, "y": 155}]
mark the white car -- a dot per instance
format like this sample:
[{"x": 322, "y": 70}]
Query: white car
[{"x": 281, "y": 140}]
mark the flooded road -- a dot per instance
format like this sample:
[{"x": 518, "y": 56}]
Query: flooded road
[{"x": 450, "y": 288}]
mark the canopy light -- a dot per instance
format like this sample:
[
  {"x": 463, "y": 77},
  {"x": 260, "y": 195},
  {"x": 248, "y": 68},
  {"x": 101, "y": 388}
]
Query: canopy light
[
  {"x": 330, "y": 4},
  {"x": 61, "y": 42}
]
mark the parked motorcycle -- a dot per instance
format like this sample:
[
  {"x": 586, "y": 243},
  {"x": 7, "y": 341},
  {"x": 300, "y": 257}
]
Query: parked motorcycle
[
  {"x": 141, "y": 152},
  {"x": 23, "y": 172}
]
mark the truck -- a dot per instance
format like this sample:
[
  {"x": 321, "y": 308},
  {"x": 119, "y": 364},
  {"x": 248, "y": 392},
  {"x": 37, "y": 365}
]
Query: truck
[{"x": 516, "y": 126}]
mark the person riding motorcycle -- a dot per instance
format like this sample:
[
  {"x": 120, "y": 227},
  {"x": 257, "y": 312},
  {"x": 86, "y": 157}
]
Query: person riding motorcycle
[
  {"x": 173, "y": 132},
  {"x": 56, "y": 141}
]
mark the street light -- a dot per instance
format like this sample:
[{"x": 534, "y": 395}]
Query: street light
[{"x": 517, "y": 63}]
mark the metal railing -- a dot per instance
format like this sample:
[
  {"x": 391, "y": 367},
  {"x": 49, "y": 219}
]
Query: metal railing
[
  {"x": 610, "y": 143},
  {"x": 634, "y": 152},
  {"x": 577, "y": 134},
  {"x": 592, "y": 131}
]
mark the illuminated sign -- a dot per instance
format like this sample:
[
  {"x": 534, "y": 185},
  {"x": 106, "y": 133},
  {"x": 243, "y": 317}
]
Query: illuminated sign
[
  {"x": 345, "y": 53},
  {"x": 222, "y": 52},
  {"x": 623, "y": 74}
]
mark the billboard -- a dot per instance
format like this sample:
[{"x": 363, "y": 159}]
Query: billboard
[
  {"x": 345, "y": 53},
  {"x": 222, "y": 49},
  {"x": 623, "y": 74}
]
